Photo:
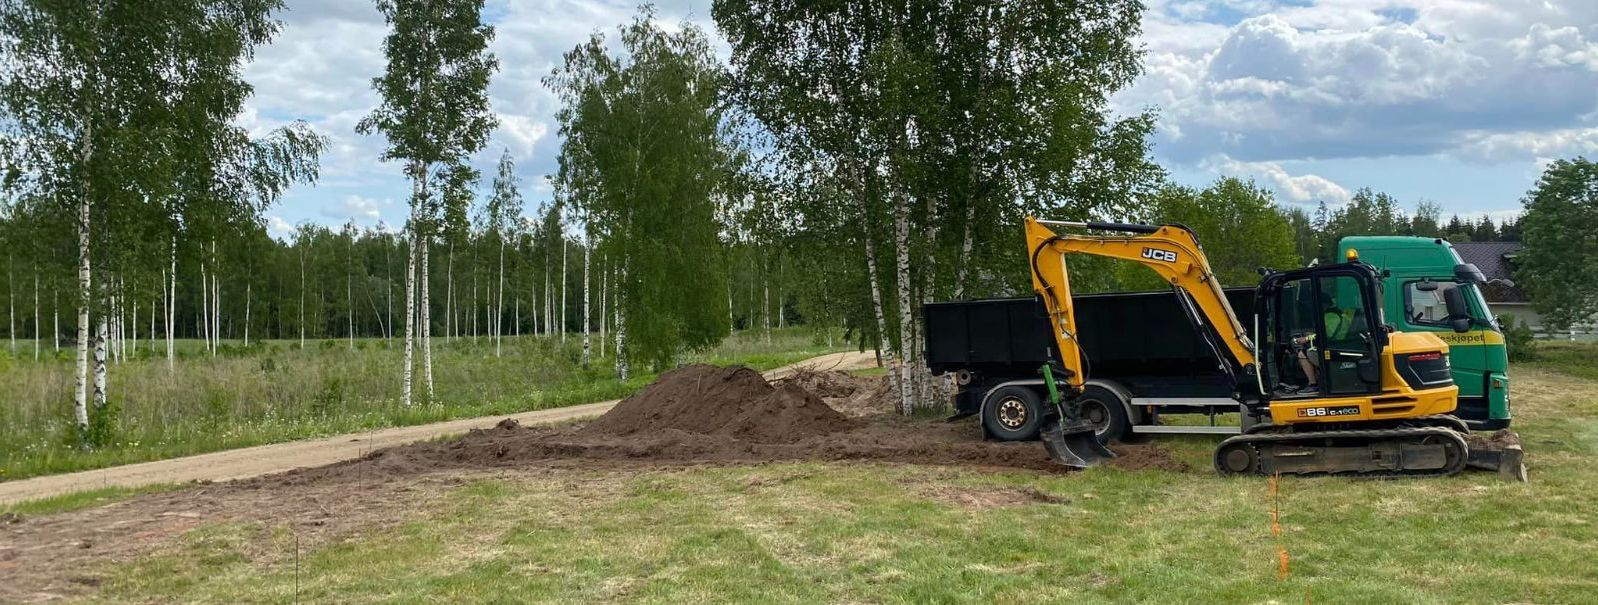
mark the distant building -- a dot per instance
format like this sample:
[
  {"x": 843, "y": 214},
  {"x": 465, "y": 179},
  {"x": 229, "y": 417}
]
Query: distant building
[{"x": 1503, "y": 292}]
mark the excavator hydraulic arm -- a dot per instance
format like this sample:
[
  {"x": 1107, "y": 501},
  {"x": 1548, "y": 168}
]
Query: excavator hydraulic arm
[{"x": 1172, "y": 251}]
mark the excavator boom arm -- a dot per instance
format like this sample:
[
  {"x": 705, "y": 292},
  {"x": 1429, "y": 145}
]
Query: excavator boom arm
[{"x": 1172, "y": 251}]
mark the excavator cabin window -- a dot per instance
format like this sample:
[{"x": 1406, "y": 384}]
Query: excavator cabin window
[{"x": 1316, "y": 336}]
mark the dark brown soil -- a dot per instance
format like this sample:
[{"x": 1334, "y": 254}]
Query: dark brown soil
[
  {"x": 709, "y": 415},
  {"x": 734, "y": 402},
  {"x": 851, "y": 395},
  {"x": 1496, "y": 440}
]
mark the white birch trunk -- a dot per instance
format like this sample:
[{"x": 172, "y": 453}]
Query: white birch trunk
[
  {"x": 563, "y": 280},
  {"x": 426, "y": 319},
  {"x": 80, "y": 394},
  {"x": 604, "y": 279},
  {"x": 36, "y": 313},
  {"x": 765, "y": 307},
  {"x": 248, "y": 296},
  {"x": 216, "y": 301},
  {"x": 133, "y": 330},
  {"x": 99, "y": 365},
  {"x": 11, "y": 300},
  {"x": 901, "y": 241},
  {"x": 172, "y": 309},
  {"x": 883, "y": 351},
  {"x": 349, "y": 305},
  {"x": 622, "y": 369},
  {"x": 388, "y": 284},
  {"x": 449, "y": 295},
  {"x": 410, "y": 292},
  {"x": 205, "y": 306},
  {"x": 499, "y": 305},
  {"x": 587, "y": 263},
  {"x": 302, "y": 303}
]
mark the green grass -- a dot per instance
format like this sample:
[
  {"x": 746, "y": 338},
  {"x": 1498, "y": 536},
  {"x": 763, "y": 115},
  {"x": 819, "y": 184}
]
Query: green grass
[
  {"x": 851, "y": 533},
  {"x": 84, "y": 499},
  {"x": 1578, "y": 359},
  {"x": 277, "y": 391}
]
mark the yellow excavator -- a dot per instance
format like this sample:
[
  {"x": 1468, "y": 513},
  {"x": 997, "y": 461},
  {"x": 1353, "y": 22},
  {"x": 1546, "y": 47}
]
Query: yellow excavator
[{"x": 1326, "y": 386}]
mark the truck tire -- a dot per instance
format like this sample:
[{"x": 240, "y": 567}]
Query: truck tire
[
  {"x": 1012, "y": 413},
  {"x": 1107, "y": 412}
]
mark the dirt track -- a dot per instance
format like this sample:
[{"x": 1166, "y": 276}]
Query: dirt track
[{"x": 279, "y": 457}]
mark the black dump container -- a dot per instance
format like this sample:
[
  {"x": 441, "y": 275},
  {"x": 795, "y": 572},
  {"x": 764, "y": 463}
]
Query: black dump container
[{"x": 1135, "y": 336}]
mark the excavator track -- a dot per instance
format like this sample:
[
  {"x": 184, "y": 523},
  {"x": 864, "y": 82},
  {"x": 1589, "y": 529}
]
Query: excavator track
[{"x": 1425, "y": 451}]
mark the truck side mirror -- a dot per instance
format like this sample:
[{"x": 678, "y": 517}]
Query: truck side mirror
[{"x": 1458, "y": 311}]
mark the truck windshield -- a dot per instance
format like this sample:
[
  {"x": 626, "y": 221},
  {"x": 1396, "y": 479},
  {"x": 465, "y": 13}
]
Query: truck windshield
[{"x": 1427, "y": 306}]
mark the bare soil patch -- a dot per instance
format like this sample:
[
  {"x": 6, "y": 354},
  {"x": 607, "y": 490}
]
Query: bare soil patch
[{"x": 56, "y": 556}]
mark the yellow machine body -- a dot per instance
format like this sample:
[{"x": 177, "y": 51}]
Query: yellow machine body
[{"x": 1174, "y": 253}]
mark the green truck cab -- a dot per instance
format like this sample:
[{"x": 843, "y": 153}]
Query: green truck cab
[{"x": 1423, "y": 274}]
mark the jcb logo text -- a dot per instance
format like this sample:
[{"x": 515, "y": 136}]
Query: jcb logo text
[{"x": 1159, "y": 255}]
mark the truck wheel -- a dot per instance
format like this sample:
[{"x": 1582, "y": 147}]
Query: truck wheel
[
  {"x": 1012, "y": 413},
  {"x": 1103, "y": 408}
]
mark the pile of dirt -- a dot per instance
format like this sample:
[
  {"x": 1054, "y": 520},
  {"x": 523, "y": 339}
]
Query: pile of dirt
[
  {"x": 851, "y": 395},
  {"x": 735, "y": 402},
  {"x": 1497, "y": 440},
  {"x": 826, "y": 384},
  {"x": 709, "y": 415}
]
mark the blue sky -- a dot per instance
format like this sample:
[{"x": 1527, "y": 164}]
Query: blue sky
[{"x": 1459, "y": 102}]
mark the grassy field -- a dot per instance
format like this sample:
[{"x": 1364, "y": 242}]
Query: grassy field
[
  {"x": 276, "y": 391},
  {"x": 851, "y": 533}
]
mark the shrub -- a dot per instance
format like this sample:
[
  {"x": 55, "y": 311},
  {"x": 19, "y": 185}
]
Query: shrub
[{"x": 1518, "y": 339}]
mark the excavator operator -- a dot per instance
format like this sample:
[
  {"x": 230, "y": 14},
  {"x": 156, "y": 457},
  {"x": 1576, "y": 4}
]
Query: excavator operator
[{"x": 1338, "y": 321}]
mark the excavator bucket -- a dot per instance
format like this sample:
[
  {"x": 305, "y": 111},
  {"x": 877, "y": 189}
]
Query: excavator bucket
[
  {"x": 1069, "y": 438},
  {"x": 1500, "y": 451},
  {"x": 1073, "y": 444}
]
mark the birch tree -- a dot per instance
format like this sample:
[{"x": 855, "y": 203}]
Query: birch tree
[
  {"x": 947, "y": 123},
  {"x": 501, "y": 214},
  {"x": 434, "y": 114},
  {"x": 644, "y": 155}
]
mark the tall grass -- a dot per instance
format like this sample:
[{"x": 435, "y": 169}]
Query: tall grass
[{"x": 277, "y": 391}]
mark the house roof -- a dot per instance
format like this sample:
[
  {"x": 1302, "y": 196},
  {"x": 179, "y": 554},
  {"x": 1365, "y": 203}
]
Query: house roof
[
  {"x": 1496, "y": 261},
  {"x": 1493, "y": 258}
]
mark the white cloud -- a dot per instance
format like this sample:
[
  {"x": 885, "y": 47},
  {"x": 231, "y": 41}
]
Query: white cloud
[
  {"x": 1494, "y": 147},
  {"x": 279, "y": 228},
  {"x": 356, "y": 207},
  {"x": 1363, "y": 78},
  {"x": 1297, "y": 189}
]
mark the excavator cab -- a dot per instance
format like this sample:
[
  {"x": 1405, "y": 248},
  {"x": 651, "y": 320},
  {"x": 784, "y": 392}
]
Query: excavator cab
[{"x": 1321, "y": 332}]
